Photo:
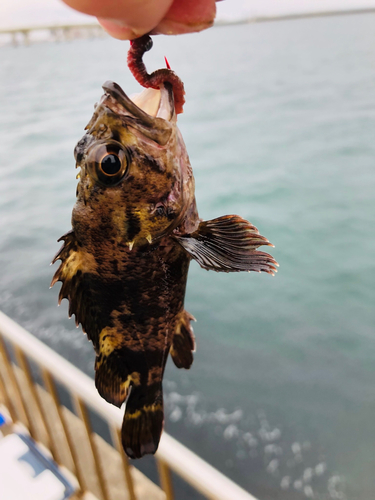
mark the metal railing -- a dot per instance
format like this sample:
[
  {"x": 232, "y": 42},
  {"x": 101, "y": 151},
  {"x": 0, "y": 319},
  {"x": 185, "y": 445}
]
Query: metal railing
[{"x": 39, "y": 408}]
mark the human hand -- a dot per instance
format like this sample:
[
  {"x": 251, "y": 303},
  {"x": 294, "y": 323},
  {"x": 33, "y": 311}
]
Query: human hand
[{"x": 129, "y": 19}]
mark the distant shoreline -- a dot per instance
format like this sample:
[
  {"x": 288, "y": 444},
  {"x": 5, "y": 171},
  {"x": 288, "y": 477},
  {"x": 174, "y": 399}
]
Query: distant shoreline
[
  {"x": 302, "y": 15},
  {"x": 57, "y": 32}
]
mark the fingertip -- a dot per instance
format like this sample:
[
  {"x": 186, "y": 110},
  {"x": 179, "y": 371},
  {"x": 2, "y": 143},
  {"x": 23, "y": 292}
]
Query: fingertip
[
  {"x": 172, "y": 27},
  {"x": 118, "y": 30},
  {"x": 187, "y": 16}
]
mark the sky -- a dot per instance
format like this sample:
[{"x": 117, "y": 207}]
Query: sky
[{"x": 18, "y": 13}]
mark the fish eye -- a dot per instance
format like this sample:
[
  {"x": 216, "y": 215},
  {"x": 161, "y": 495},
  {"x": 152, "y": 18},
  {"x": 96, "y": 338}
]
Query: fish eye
[
  {"x": 110, "y": 164},
  {"x": 107, "y": 162}
]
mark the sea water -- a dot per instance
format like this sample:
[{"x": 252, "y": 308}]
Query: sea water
[{"x": 279, "y": 125}]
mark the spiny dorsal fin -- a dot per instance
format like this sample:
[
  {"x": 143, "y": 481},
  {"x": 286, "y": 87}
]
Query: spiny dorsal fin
[
  {"x": 228, "y": 244},
  {"x": 74, "y": 274}
]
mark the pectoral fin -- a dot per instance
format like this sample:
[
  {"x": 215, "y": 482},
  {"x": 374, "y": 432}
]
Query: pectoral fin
[{"x": 228, "y": 244}]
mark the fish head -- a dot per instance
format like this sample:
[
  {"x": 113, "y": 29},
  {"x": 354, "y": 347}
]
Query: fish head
[{"x": 136, "y": 182}]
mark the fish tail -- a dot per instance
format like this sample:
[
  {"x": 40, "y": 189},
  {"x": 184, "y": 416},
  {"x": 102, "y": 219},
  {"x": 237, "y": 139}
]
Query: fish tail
[
  {"x": 143, "y": 420},
  {"x": 183, "y": 342}
]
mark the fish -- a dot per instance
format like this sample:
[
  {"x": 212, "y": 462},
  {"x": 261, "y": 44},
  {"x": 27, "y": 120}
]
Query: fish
[{"x": 135, "y": 229}]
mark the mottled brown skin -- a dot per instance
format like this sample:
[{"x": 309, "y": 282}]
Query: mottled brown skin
[
  {"x": 125, "y": 274},
  {"x": 124, "y": 265}
]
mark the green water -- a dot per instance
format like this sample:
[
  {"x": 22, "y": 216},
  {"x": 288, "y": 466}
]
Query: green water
[{"x": 279, "y": 125}]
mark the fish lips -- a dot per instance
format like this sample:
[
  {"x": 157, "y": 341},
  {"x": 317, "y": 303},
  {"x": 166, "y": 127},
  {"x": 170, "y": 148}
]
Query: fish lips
[{"x": 157, "y": 128}]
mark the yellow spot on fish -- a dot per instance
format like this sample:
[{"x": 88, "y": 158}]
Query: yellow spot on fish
[
  {"x": 77, "y": 261},
  {"x": 134, "y": 378},
  {"x": 130, "y": 244},
  {"x": 109, "y": 340},
  {"x": 149, "y": 238},
  {"x": 148, "y": 409}
]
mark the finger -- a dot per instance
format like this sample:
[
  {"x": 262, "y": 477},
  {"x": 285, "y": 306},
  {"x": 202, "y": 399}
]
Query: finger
[
  {"x": 120, "y": 31},
  {"x": 187, "y": 16},
  {"x": 124, "y": 18}
]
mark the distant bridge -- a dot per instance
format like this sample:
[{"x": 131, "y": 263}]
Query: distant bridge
[
  {"x": 53, "y": 32},
  {"x": 62, "y": 32}
]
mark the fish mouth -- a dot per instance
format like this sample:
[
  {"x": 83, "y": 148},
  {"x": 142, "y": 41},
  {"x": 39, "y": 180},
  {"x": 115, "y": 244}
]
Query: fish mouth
[
  {"x": 152, "y": 111},
  {"x": 155, "y": 102}
]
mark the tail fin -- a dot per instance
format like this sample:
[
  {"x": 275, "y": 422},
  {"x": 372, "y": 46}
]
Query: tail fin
[
  {"x": 143, "y": 420},
  {"x": 183, "y": 342}
]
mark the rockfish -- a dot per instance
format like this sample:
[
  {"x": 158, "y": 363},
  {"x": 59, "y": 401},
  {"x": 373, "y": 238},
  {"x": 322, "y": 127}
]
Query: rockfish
[{"x": 135, "y": 229}]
